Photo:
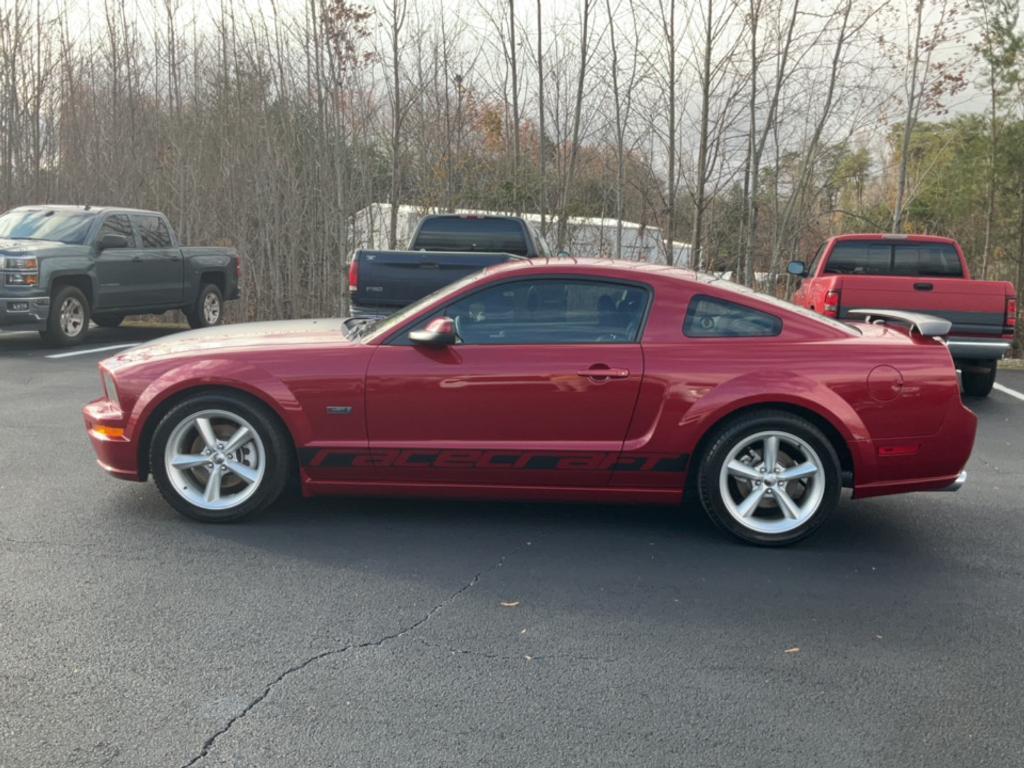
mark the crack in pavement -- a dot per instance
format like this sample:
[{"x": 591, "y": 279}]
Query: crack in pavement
[{"x": 212, "y": 740}]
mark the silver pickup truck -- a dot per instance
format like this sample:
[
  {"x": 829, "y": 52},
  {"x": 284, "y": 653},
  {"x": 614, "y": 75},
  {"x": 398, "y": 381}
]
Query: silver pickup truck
[{"x": 62, "y": 266}]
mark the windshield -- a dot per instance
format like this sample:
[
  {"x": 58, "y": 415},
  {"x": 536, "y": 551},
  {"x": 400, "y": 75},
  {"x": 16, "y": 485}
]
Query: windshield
[
  {"x": 384, "y": 326},
  {"x": 68, "y": 227}
]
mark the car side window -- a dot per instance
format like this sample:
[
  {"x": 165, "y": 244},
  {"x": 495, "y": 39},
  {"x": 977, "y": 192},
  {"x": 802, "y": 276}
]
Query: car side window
[
  {"x": 153, "y": 232},
  {"x": 708, "y": 317},
  {"x": 551, "y": 311},
  {"x": 117, "y": 224}
]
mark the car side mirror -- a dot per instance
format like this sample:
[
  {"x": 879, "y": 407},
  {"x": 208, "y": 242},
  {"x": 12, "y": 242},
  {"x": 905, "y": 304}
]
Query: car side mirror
[
  {"x": 112, "y": 240},
  {"x": 797, "y": 269},
  {"x": 439, "y": 332}
]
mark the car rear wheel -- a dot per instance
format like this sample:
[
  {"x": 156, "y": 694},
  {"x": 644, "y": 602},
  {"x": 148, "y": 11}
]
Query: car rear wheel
[
  {"x": 769, "y": 478},
  {"x": 208, "y": 309},
  {"x": 219, "y": 457},
  {"x": 68, "y": 321},
  {"x": 978, "y": 381}
]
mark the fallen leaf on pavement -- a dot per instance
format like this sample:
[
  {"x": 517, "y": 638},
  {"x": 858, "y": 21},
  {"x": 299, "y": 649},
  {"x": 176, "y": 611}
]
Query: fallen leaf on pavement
[
  {"x": 512, "y": 604},
  {"x": 794, "y": 649}
]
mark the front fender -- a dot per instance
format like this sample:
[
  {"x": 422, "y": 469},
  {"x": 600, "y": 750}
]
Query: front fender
[{"x": 230, "y": 374}]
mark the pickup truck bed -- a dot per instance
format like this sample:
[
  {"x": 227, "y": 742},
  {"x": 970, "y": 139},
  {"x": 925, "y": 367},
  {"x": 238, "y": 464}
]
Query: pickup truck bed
[
  {"x": 444, "y": 248},
  {"x": 382, "y": 282}
]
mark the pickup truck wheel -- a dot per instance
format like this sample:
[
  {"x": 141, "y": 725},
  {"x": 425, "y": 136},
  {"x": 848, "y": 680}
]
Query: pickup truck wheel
[
  {"x": 108, "y": 321},
  {"x": 68, "y": 321},
  {"x": 769, "y": 478},
  {"x": 208, "y": 309},
  {"x": 219, "y": 457},
  {"x": 978, "y": 381}
]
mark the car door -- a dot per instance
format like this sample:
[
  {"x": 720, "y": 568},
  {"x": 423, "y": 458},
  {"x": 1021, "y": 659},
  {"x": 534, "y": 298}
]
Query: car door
[
  {"x": 538, "y": 390},
  {"x": 118, "y": 270},
  {"x": 161, "y": 261}
]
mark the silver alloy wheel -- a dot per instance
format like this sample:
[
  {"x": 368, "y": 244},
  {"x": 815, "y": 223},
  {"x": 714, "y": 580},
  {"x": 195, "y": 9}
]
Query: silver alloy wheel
[
  {"x": 72, "y": 317},
  {"x": 211, "y": 308},
  {"x": 215, "y": 460},
  {"x": 772, "y": 482}
]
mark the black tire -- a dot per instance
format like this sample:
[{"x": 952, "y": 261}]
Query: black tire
[
  {"x": 61, "y": 331},
  {"x": 734, "y": 433},
  {"x": 277, "y": 462},
  {"x": 108, "y": 321},
  {"x": 978, "y": 381},
  {"x": 199, "y": 315}
]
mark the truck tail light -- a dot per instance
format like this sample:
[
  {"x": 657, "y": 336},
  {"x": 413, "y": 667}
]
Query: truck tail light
[
  {"x": 831, "y": 305},
  {"x": 1011, "y": 312},
  {"x": 353, "y": 275},
  {"x": 238, "y": 267}
]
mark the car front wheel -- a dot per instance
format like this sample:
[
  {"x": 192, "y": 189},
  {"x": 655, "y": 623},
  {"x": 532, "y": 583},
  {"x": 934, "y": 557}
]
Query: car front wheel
[
  {"x": 770, "y": 478},
  {"x": 220, "y": 457},
  {"x": 68, "y": 322}
]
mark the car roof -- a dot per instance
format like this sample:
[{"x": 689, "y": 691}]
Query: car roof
[
  {"x": 85, "y": 208},
  {"x": 893, "y": 237},
  {"x": 610, "y": 267}
]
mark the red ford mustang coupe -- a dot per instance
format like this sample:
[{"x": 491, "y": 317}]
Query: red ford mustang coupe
[{"x": 585, "y": 381}]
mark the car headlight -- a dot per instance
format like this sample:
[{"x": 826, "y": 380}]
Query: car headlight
[
  {"x": 21, "y": 270},
  {"x": 110, "y": 388}
]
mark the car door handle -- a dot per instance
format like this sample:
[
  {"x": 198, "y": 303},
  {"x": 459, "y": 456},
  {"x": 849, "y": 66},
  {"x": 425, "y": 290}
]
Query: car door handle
[
  {"x": 604, "y": 373},
  {"x": 923, "y": 286}
]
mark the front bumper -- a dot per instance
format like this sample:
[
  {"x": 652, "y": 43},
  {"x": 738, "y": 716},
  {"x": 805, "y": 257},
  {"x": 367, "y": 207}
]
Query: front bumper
[
  {"x": 115, "y": 452},
  {"x": 28, "y": 313}
]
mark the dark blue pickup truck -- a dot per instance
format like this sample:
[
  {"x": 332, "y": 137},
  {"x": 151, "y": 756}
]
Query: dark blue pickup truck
[
  {"x": 62, "y": 266},
  {"x": 443, "y": 249}
]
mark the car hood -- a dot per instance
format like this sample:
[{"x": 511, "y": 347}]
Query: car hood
[
  {"x": 39, "y": 248},
  {"x": 230, "y": 338}
]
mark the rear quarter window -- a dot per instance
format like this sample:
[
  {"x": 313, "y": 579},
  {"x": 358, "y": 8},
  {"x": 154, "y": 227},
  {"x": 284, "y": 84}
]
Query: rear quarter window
[{"x": 710, "y": 317}]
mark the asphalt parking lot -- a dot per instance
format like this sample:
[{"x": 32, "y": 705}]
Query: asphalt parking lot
[{"x": 388, "y": 633}]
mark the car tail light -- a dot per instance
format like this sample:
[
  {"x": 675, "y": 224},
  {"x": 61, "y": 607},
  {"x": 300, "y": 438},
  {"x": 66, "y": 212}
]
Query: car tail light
[
  {"x": 353, "y": 274},
  {"x": 1011, "y": 312},
  {"x": 831, "y": 305}
]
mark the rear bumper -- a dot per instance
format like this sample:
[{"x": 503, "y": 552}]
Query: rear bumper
[
  {"x": 978, "y": 349},
  {"x": 371, "y": 311},
  {"x": 115, "y": 453},
  {"x": 936, "y": 463},
  {"x": 29, "y": 313},
  {"x": 957, "y": 484}
]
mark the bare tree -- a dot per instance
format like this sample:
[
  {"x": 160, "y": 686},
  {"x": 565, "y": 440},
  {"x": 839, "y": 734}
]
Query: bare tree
[{"x": 928, "y": 80}]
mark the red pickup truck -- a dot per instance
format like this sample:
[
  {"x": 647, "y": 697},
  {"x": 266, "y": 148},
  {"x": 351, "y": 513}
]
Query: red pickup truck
[{"x": 919, "y": 273}]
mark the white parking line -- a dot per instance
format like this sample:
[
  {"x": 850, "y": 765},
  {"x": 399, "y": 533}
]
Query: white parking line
[
  {"x": 89, "y": 351},
  {"x": 1008, "y": 391}
]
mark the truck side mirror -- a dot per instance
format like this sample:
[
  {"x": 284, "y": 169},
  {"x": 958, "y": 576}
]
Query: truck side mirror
[
  {"x": 439, "y": 332},
  {"x": 112, "y": 240},
  {"x": 797, "y": 269}
]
